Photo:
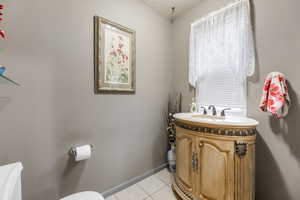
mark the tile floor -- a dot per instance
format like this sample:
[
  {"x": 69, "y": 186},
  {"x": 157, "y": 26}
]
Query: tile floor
[{"x": 155, "y": 187}]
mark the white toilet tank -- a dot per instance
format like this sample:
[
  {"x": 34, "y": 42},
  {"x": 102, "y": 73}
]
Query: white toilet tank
[{"x": 10, "y": 182}]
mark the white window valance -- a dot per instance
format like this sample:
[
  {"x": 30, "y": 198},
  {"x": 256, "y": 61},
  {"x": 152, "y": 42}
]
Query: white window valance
[{"x": 222, "y": 55}]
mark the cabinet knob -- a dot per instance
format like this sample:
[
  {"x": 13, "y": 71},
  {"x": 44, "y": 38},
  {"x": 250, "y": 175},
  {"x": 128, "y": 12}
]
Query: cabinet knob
[{"x": 201, "y": 144}]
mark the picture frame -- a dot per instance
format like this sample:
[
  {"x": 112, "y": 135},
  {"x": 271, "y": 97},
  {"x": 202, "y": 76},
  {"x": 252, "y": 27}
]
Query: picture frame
[{"x": 114, "y": 57}]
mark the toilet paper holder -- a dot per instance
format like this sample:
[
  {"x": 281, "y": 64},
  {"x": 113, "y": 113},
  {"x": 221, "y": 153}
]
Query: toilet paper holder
[{"x": 72, "y": 151}]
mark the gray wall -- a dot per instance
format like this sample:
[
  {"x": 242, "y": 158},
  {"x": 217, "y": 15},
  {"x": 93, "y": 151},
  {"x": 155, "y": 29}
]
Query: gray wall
[
  {"x": 49, "y": 50},
  {"x": 278, "y": 47}
]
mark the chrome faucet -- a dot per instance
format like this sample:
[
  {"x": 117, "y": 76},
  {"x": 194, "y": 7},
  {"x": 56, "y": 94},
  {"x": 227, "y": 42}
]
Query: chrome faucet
[
  {"x": 223, "y": 112},
  {"x": 214, "y": 110}
]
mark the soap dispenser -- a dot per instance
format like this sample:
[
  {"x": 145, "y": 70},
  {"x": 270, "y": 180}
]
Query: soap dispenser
[{"x": 193, "y": 108}]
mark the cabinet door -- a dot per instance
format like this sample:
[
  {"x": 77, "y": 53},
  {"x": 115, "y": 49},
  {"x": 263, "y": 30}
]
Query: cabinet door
[
  {"x": 215, "y": 169},
  {"x": 184, "y": 169}
]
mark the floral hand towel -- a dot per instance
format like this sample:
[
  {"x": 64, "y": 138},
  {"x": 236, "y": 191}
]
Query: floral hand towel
[{"x": 275, "y": 97}]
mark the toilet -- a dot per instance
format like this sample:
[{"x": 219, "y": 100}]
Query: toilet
[
  {"x": 84, "y": 196},
  {"x": 10, "y": 185}
]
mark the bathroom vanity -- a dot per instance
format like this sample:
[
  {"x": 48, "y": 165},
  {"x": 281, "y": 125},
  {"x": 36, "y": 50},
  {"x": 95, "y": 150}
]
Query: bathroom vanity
[{"x": 215, "y": 157}]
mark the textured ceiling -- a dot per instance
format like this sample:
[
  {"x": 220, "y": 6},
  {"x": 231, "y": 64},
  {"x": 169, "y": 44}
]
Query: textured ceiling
[{"x": 165, "y": 6}]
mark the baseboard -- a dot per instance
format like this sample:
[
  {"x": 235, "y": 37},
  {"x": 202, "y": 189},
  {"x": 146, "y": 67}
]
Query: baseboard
[{"x": 133, "y": 181}]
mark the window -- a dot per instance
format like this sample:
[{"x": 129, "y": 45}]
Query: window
[
  {"x": 222, "y": 56},
  {"x": 220, "y": 88}
]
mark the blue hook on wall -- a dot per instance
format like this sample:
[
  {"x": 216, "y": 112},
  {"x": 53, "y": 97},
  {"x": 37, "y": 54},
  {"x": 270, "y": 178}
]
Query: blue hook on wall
[{"x": 2, "y": 70}]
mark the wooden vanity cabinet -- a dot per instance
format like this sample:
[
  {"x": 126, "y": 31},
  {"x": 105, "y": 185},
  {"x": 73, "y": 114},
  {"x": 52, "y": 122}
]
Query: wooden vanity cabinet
[
  {"x": 185, "y": 155},
  {"x": 214, "y": 169},
  {"x": 212, "y": 166}
]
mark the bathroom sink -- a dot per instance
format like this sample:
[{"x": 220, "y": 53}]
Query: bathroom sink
[
  {"x": 207, "y": 116},
  {"x": 217, "y": 120}
]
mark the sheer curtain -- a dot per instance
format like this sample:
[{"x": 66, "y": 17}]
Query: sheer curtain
[{"x": 221, "y": 56}]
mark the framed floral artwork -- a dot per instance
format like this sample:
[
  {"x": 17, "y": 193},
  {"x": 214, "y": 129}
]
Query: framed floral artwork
[{"x": 114, "y": 57}]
